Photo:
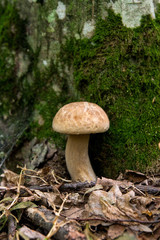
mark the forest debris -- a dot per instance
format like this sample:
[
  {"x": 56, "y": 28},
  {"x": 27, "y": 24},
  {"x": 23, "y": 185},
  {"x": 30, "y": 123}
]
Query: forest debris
[
  {"x": 37, "y": 156},
  {"x": 48, "y": 199},
  {"x": 11, "y": 178},
  {"x": 9, "y": 207},
  {"x": 27, "y": 233},
  {"x": 56, "y": 226},
  {"x": 148, "y": 189},
  {"x": 115, "y": 231},
  {"x": 94, "y": 206},
  {"x": 75, "y": 186},
  {"x": 73, "y": 212},
  {"x": 89, "y": 235},
  {"x": 79, "y": 207},
  {"x": 129, "y": 236},
  {"x": 12, "y": 225},
  {"x": 141, "y": 228},
  {"x": 51, "y": 150},
  {"x": 3, "y": 236},
  {"x": 55, "y": 176},
  {"x": 44, "y": 218},
  {"x": 134, "y": 176},
  {"x": 107, "y": 183},
  {"x": 75, "y": 199}
]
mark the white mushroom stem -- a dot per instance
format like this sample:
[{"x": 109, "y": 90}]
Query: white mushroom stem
[{"x": 77, "y": 159}]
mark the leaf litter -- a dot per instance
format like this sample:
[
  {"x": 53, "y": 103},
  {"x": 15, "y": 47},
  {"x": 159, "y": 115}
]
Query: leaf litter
[{"x": 40, "y": 204}]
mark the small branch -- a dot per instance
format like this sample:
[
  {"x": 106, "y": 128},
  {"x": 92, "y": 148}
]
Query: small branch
[
  {"x": 44, "y": 219},
  {"x": 76, "y": 186},
  {"x": 12, "y": 225},
  {"x": 115, "y": 221},
  {"x": 149, "y": 189}
]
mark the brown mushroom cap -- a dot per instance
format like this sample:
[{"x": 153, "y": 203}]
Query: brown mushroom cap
[{"x": 80, "y": 118}]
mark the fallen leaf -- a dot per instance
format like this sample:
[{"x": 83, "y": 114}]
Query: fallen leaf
[
  {"x": 134, "y": 176},
  {"x": 49, "y": 198},
  {"x": 115, "y": 231},
  {"x": 23, "y": 205},
  {"x": 111, "y": 212},
  {"x": 27, "y": 233},
  {"x": 127, "y": 236},
  {"x": 141, "y": 228},
  {"x": 3, "y": 236},
  {"x": 73, "y": 212},
  {"x": 96, "y": 187},
  {"x": 11, "y": 177},
  {"x": 107, "y": 183},
  {"x": 94, "y": 206},
  {"x": 123, "y": 204}
]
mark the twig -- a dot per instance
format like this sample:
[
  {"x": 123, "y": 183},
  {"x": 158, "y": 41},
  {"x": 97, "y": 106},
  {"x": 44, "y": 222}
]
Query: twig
[
  {"x": 76, "y": 186},
  {"x": 31, "y": 176},
  {"x": 63, "y": 179},
  {"x": 115, "y": 221},
  {"x": 57, "y": 225},
  {"x": 149, "y": 189},
  {"x": 12, "y": 224},
  {"x": 43, "y": 218},
  {"x": 27, "y": 189}
]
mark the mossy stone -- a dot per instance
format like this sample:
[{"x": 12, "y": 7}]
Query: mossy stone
[{"x": 119, "y": 69}]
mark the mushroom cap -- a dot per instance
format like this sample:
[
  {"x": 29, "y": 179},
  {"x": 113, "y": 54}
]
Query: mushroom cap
[{"x": 80, "y": 118}]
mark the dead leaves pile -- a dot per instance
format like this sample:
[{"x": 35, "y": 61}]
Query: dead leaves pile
[{"x": 36, "y": 205}]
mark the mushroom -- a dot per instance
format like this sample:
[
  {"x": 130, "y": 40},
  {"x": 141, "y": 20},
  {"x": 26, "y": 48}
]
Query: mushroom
[{"x": 79, "y": 120}]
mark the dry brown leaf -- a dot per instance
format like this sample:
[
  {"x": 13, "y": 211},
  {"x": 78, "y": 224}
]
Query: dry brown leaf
[
  {"x": 113, "y": 194},
  {"x": 123, "y": 204},
  {"x": 141, "y": 200},
  {"x": 30, "y": 234},
  {"x": 111, "y": 212},
  {"x": 140, "y": 228},
  {"x": 152, "y": 236},
  {"x": 147, "y": 213},
  {"x": 49, "y": 198},
  {"x": 103, "y": 204},
  {"x": 10, "y": 177},
  {"x": 73, "y": 212},
  {"x": 96, "y": 187},
  {"x": 96, "y": 198},
  {"x": 128, "y": 236},
  {"x": 134, "y": 176},
  {"x": 3, "y": 236},
  {"x": 75, "y": 199},
  {"x": 115, "y": 231},
  {"x": 107, "y": 183},
  {"x": 94, "y": 206}
]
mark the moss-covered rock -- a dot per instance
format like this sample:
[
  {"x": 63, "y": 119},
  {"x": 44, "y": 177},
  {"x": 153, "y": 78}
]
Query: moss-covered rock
[{"x": 119, "y": 69}]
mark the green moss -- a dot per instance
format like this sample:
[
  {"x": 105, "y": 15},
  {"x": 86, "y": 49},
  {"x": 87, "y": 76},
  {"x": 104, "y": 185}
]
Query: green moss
[{"x": 119, "y": 69}]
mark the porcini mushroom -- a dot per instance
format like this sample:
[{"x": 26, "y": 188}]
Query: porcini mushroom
[{"x": 79, "y": 120}]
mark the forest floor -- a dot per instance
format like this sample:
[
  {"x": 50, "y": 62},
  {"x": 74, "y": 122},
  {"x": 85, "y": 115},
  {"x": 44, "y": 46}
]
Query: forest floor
[{"x": 41, "y": 202}]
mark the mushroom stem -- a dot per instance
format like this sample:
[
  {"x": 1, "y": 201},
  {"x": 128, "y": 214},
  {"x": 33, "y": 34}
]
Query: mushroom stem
[{"x": 77, "y": 159}]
